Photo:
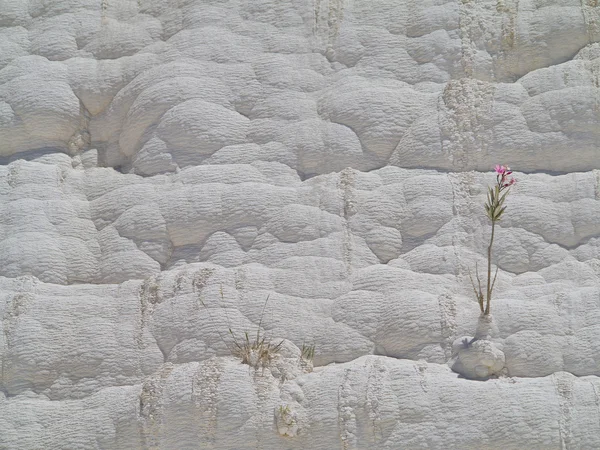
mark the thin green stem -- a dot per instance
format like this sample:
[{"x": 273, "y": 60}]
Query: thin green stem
[{"x": 489, "y": 272}]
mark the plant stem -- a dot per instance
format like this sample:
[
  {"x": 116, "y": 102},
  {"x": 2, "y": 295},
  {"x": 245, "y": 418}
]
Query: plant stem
[{"x": 489, "y": 272}]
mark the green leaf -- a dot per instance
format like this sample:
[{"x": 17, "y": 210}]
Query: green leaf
[
  {"x": 503, "y": 197},
  {"x": 499, "y": 214}
]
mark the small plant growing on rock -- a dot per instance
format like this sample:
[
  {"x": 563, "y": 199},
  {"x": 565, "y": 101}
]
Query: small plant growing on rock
[
  {"x": 307, "y": 352},
  {"x": 287, "y": 423},
  {"x": 261, "y": 352},
  {"x": 307, "y": 355},
  {"x": 257, "y": 352},
  {"x": 494, "y": 208}
]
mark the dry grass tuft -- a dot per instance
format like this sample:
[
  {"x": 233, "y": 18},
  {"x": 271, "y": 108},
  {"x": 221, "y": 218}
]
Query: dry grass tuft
[{"x": 258, "y": 352}]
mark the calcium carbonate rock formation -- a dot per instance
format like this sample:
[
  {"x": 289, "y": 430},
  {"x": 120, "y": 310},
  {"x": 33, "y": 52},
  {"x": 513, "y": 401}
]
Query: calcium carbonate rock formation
[
  {"x": 478, "y": 359},
  {"x": 176, "y": 174}
]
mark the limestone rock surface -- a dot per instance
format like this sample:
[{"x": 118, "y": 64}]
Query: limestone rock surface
[{"x": 174, "y": 175}]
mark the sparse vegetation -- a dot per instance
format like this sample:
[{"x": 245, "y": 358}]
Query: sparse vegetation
[
  {"x": 256, "y": 352},
  {"x": 285, "y": 411},
  {"x": 308, "y": 352},
  {"x": 287, "y": 423},
  {"x": 494, "y": 208}
]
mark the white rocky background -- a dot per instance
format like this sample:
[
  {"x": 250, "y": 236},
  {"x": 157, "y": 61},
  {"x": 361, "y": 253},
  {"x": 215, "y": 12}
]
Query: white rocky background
[{"x": 167, "y": 165}]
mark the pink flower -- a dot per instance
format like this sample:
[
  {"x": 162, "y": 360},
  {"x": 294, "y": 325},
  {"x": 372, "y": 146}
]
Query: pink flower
[
  {"x": 506, "y": 183},
  {"x": 503, "y": 176}
]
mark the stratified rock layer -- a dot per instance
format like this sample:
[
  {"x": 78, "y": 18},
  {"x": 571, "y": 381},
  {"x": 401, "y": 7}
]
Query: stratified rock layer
[{"x": 176, "y": 174}]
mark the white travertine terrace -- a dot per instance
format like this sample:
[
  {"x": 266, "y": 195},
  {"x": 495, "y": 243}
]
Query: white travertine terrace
[{"x": 165, "y": 166}]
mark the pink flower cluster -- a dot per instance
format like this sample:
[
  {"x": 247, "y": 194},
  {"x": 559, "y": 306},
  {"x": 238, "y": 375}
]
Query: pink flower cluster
[{"x": 503, "y": 176}]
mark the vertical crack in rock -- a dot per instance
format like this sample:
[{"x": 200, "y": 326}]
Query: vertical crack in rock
[
  {"x": 317, "y": 17},
  {"x": 240, "y": 279},
  {"x": 420, "y": 369},
  {"x": 597, "y": 398},
  {"x": 16, "y": 307},
  {"x": 558, "y": 300},
  {"x": 81, "y": 138},
  {"x": 263, "y": 384},
  {"x": 328, "y": 18},
  {"x": 462, "y": 203},
  {"x": 348, "y": 200},
  {"x": 178, "y": 283},
  {"x": 468, "y": 105},
  {"x": 200, "y": 280},
  {"x": 563, "y": 384},
  {"x": 150, "y": 407},
  {"x": 591, "y": 17},
  {"x": 469, "y": 27},
  {"x": 13, "y": 171},
  {"x": 334, "y": 21},
  {"x": 447, "y": 323},
  {"x": 462, "y": 207},
  {"x": 150, "y": 295},
  {"x": 103, "y": 12},
  {"x": 489, "y": 39},
  {"x": 205, "y": 387},
  {"x": 376, "y": 375},
  {"x": 347, "y": 402},
  {"x": 594, "y": 70},
  {"x": 505, "y": 58}
]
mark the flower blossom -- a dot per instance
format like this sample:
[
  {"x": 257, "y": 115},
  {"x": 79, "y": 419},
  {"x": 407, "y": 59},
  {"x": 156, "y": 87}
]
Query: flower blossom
[
  {"x": 503, "y": 176},
  {"x": 500, "y": 169}
]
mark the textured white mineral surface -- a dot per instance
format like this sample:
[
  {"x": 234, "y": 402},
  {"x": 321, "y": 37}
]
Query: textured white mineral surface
[{"x": 167, "y": 166}]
